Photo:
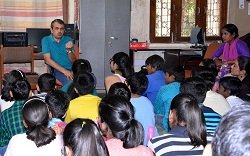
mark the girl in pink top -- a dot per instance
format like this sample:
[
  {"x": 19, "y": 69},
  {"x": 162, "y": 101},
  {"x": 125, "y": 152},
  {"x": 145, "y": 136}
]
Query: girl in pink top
[
  {"x": 124, "y": 133},
  {"x": 120, "y": 65}
]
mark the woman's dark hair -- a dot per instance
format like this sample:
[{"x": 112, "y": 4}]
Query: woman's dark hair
[
  {"x": 232, "y": 29},
  {"x": 81, "y": 66},
  {"x": 36, "y": 116},
  {"x": 124, "y": 63},
  {"x": 121, "y": 89},
  {"x": 138, "y": 83},
  {"x": 118, "y": 114},
  {"x": 244, "y": 62},
  {"x": 155, "y": 61},
  {"x": 84, "y": 138},
  {"x": 10, "y": 78},
  {"x": 187, "y": 111}
]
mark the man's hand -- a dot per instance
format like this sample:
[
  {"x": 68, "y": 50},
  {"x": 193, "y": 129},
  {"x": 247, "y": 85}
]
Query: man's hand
[
  {"x": 68, "y": 74},
  {"x": 69, "y": 45}
]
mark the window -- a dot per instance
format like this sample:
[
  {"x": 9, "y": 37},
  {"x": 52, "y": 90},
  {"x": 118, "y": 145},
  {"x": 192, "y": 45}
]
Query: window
[{"x": 173, "y": 20}]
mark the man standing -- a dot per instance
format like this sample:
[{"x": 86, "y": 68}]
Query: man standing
[{"x": 57, "y": 50}]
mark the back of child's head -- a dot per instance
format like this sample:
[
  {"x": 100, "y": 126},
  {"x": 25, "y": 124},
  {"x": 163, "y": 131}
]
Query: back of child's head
[
  {"x": 46, "y": 82},
  {"x": 194, "y": 120},
  {"x": 10, "y": 78},
  {"x": 36, "y": 117},
  {"x": 84, "y": 83},
  {"x": 156, "y": 62},
  {"x": 177, "y": 71},
  {"x": 81, "y": 66},
  {"x": 206, "y": 74},
  {"x": 120, "y": 89},
  {"x": 58, "y": 102},
  {"x": 231, "y": 84},
  {"x": 196, "y": 87},
  {"x": 83, "y": 137},
  {"x": 20, "y": 89},
  {"x": 138, "y": 83},
  {"x": 118, "y": 113},
  {"x": 124, "y": 63}
]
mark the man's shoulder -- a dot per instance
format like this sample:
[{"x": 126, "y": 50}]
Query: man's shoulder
[
  {"x": 66, "y": 38},
  {"x": 48, "y": 37}
]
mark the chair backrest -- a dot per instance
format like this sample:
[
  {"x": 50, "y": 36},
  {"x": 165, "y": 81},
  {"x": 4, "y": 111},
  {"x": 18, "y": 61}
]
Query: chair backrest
[
  {"x": 211, "y": 49},
  {"x": 16, "y": 55}
]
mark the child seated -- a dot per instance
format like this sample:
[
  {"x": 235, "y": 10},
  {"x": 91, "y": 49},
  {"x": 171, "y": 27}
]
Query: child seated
[
  {"x": 188, "y": 130},
  {"x": 79, "y": 66},
  {"x": 174, "y": 76},
  {"x": 11, "y": 121},
  {"x": 46, "y": 82},
  {"x": 58, "y": 102},
  {"x": 82, "y": 137},
  {"x": 230, "y": 88},
  {"x": 138, "y": 84},
  {"x": 156, "y": 76},
  {"x": 39, "y": 139},
  {"x": 86, "y": 105}
]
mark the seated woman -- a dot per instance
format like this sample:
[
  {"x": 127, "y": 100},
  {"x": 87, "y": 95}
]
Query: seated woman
[
  {"x": 241, "y": 69},
  {"x": 232, "y": 46},
  {"x": 120, "y": 65},
  {"x": 82, "y": 138},
  {"x": 39, "y": 140},
  {"x": 124, "y": 134},
  {"x": 188, "y": 130}
]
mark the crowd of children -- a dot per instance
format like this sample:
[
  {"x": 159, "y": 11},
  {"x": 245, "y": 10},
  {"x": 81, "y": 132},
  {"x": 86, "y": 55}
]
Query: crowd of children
[{"x": 159, "y": 112}]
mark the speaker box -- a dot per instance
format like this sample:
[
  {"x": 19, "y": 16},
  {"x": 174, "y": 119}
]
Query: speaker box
[{"x": 14, "y": 39}]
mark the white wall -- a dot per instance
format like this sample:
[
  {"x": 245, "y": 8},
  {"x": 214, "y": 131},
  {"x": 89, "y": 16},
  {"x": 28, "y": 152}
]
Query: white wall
[{"x": 140, "y": 13}]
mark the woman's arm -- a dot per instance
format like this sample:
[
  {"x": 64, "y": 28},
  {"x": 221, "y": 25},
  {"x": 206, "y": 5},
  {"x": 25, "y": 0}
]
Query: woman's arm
[
  {"x": 242, "y": 49},
  {"x": 219, "y": 52}
]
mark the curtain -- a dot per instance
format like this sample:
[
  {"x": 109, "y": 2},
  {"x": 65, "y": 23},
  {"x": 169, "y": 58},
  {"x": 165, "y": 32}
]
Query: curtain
[{"x": 17, "y": 15}]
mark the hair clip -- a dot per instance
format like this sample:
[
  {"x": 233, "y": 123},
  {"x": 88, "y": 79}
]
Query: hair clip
[
  {"x": 33, "y": 98},
  {"x": 20, "y": 72},
  {"x": 83, "y": 123}
]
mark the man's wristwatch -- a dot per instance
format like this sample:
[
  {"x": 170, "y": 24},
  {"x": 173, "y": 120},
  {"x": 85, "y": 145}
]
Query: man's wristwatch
[{"x": 69, "y": 51}]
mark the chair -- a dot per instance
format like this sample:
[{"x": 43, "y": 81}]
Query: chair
[
  {"x": 211, "y": 49},
  {"x": 18, "y": 55}
]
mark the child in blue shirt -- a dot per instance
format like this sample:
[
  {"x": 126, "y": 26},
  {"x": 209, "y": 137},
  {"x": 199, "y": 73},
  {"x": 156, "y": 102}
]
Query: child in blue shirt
[{"x": 156, "y": 76}]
